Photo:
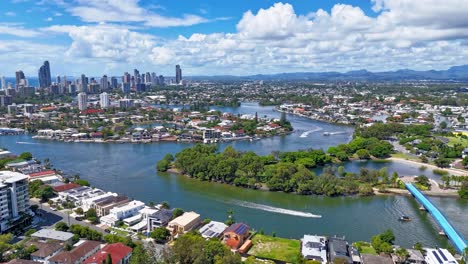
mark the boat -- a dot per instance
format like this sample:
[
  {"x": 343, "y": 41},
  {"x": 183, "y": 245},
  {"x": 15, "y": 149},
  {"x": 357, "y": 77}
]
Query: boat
[
  {"x": 404, "y": 218},
  {"x": 326, "y": 133}
]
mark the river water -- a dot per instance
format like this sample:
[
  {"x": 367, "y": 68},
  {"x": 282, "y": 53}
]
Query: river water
[{"x": 130, "y": 169}]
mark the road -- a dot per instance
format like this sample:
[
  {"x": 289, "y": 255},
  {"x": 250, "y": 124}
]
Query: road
[{"x": 50, "y": 217}]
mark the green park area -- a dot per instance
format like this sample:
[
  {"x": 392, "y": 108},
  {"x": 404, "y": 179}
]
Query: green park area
[{"x": 275, "y": 248}]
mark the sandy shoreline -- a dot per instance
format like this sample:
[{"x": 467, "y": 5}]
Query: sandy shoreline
[{"x": 430, "y": 166}]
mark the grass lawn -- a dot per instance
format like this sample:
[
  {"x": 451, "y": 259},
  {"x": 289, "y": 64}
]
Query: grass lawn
[
  {"x": 365, "y": 248},
  {"x": 275, "y": 248},
  {"x": 120, "y": 232},
  {"x": 457, "y": 140}
]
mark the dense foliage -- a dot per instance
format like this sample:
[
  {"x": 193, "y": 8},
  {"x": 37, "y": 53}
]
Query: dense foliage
[{"x": 280, "y": 171}]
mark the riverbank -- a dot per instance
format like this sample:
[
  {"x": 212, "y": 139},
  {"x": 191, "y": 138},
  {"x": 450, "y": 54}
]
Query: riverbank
[
  {"x": 430, "y": 166},
  {"x": 435, "y": 191},
  {"x": 321, "y": 119}
]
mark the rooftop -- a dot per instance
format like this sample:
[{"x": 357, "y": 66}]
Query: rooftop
[
  {"x": 185, "y": 219},
  {"x": 238, "y": 228},
  {"x": 42, "y": 173},
  {"x": 11, "y": 177},
  {"x": 53, "y": 234},
  {"x": 314, "y": 247},
  {"x": 212, "y": 229},
  {"x": 372, "y": 259},
  {"x": 118, "y": 251},
  {"x": 70, "y": 257}
]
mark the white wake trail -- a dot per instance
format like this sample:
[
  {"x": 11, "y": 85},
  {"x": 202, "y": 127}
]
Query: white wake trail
[
  {"x": 275, "y": 209},
  {"x": 306, "y": 134}
]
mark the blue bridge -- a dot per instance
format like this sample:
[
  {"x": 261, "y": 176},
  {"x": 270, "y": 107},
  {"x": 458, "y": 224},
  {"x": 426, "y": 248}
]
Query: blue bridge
[{"x": 454, "y": 236}]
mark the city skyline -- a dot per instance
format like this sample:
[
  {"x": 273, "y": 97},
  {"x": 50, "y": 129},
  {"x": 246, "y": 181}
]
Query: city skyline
[{"x": 108, "y": 37}]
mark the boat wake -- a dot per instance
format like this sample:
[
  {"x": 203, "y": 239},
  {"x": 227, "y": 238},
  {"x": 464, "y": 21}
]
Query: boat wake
[
  {"x": 306, "y": 134},
  {"x": 334, "y": 133},
  {"x": 27, "y": 143},
  {"x": 274, "y": 209}
]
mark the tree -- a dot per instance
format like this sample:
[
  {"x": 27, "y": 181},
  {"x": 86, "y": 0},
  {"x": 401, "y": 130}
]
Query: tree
[
  {"x": 402, "y": 255},
  {"x": 388, "y": 236},
  {"x": 443, "y": 125},
  {"x": 26, "y": 156},
  {"x": 177, "y": 212},
  {"x": 108, "y": 259},
  {"x": 165, "y": 205},
  {"x": 79, "y": 211},
  {"x": 61, "y": 226},
  {"x": 30, "y": 232},
  {"x": 230, "y": 220},
  {"x": 423, "y": 180},
  {"x": 363, "y": 154},
  {"x": 160, "y": 234}
]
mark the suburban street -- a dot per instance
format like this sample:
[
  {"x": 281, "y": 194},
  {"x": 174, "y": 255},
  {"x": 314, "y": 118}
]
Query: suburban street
[{"x": 49, "y": 217}]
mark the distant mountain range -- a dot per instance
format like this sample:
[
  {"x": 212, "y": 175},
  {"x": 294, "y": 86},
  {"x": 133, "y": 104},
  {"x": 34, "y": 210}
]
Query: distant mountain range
[{"x": 456, "y": 73}]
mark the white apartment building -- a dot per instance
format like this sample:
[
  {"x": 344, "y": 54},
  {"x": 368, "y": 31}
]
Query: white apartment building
[
  {"x": 14, "y": 197},
  {"x": 104, "y": 100},
  {"x": 82, "y": 101},
  {"x": 120, "y": 213}
]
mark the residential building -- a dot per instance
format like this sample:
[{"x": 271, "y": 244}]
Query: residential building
[
  {"x": 14, "y": 198},
  {"x": 88, "y": 203},
  {"x": 213, "y": 230},
  {"x": 104, "y": 83},
  {"x": 178, "y": 73},
  {"x": 120, "y": 254},
  {"x": 104, "y": 205},
  {"x": 338, "y": 248},
  {"x": 82, "y": 101},
  {"x": 235, "y": 235},
  {"x": 465, "y": 153},
  {"x": 120, "y": 213},
  {"x": 183, "y": 223},
  {"x": 77, "y": 255},
  {"x": 23, "y": 261},
  {"x": 374, "y": 259},
  {"x": 104, "y": 100},
  {"x": 47, "y": 234},
  {"x": 415, "y": 257},
  {"x": 45, "y": 249},
  {"x": 19, "y": 78},
  {"x": 314, "y": 248},
  {"x": 439, "y": 256},
  {"x": 78, "y": 195},
  {"x": 158, "y": 219},
  {"x": 45, "y": 79}
]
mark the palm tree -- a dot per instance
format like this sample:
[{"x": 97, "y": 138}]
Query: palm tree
[{"x": 446, "y": 180}]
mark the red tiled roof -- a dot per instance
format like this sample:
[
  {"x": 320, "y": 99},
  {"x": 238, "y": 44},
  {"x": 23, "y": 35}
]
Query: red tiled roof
[
  {"x": 80, "y": 252},
  {"x": 66, "y": 187},
  {"x": 92, "y": 111},
  {"x": 118, "y": 251},
  {"x": 42, "y": 173}
]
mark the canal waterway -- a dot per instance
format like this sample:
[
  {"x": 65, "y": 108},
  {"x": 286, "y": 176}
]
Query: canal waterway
[{"x": 130, "y": 169}]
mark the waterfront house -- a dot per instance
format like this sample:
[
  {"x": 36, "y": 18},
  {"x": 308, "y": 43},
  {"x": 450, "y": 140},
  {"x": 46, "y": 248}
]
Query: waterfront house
[
  {"x": 83, "y": 250},
  {"x": 212, "y": 230},
  {"x": 183, "y": 223},
  {"x": 373, "y": 259},
  {"x": 120, "y": 254},
  {"x": 338, "y": 249},
  {"x": 104, "y": 205},
  {"x": 158, "y": 219},
  {"x": 235, "y": 235},
  {"x": 439, "y": 256},
  {"x": 122, "y": 212},
  {"x": 314, "y": 248}
]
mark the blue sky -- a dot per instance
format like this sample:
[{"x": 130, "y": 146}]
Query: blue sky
[{"x": 241, "y": 37}]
